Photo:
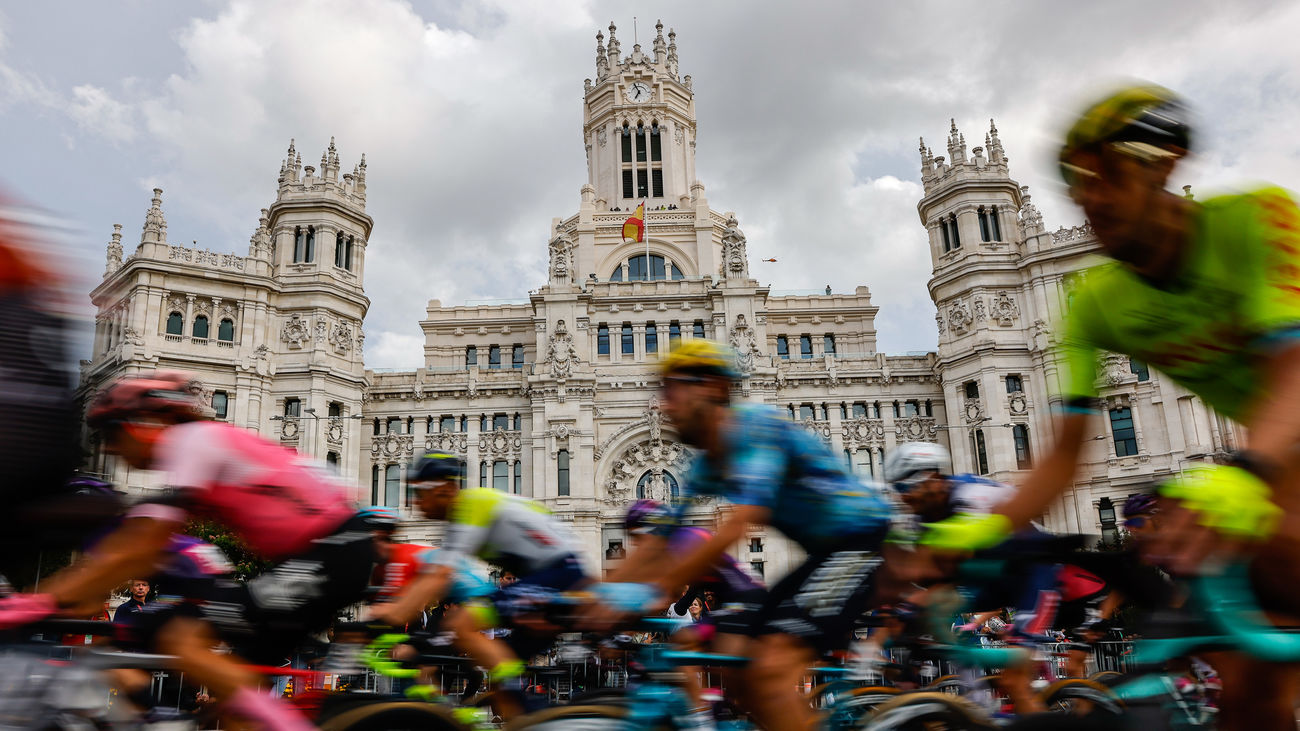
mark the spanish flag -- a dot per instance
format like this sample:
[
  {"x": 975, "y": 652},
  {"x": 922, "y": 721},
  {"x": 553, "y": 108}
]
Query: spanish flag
[{"x": 634, "y": 226}]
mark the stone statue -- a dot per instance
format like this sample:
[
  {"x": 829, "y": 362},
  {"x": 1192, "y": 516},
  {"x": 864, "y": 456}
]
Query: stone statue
[
  {"x": 561, "y": 250},
  {"x": 735, "y": 261},
  {"x": 744, "y": 342}
]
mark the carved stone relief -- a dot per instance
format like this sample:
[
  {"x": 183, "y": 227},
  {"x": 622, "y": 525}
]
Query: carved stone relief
[
  {"x": 959, "y": 317},
  {"x": 295, "y": 332},
  {"x": 561, "y": 353},
  {"x": 1005, "y": 310},
  {"x": 744, "y": 342}
]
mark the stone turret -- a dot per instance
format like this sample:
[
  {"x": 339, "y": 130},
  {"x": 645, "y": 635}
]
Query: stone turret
[
  {"x": 113, "y": 256},
  {"x": 615, "y": 52},
  {"x": 602, "y": 61}
]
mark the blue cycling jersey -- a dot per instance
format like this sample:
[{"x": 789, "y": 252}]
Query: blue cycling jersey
[
  {"x": 774, "y": 463},
  {"x": 467, "y": 581}
]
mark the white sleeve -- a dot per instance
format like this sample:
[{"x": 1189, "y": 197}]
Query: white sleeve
[{"x": 192, "y": 455}]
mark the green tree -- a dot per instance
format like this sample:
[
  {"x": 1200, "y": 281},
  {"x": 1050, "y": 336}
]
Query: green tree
[{"x": 247, "y": 564}]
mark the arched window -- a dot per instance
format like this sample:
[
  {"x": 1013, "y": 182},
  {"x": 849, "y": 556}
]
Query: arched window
[
  {"x": 299, "y": 244},
  {"x": 393, "y": 486},
  {"x": 311, "y": 244},
  {"x": 340, "y": 249},
  {"x": 347, "y": 255},
  {"x": 176, "y": 324},
  {"x": 201, "y": 327},
  {"x": 659, "y": 269},
  {"x": 332, "y": 459},
  {"x": 647, "y": 481},
  {"x": 226, "y": 330}
]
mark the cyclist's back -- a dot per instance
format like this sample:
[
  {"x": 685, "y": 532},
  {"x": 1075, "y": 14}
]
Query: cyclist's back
[{"x": 508, "y": 531}]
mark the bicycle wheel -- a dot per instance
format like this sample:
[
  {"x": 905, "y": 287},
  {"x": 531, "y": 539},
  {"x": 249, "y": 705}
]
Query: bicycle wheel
[
  {"x": 395, "y": 716},
  {"x": 1079, "y": 697},
  {"x": 1107, "y": 678},
  {"x": 577, "y": 718},
  {"x": 950, "y": 684},
  {"x": 927, "y": 711}
]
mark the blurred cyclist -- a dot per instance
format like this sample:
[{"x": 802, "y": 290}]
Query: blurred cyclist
[
  {"x": 773, "y": 472},
  {"x": 1208, "y": 292},
  {"x": 507, "y": 531},
  {"x": 284, "y": 507}
]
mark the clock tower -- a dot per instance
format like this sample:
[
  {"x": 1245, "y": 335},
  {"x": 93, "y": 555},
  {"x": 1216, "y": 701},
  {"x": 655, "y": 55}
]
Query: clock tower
[{"x": 639, "y": 125}]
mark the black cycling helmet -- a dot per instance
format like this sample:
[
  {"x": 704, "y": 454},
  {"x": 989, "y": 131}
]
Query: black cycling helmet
[{"x": 435, "y": 466}]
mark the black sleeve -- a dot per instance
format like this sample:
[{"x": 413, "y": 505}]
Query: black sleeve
[{"x": 683, "y": 604}]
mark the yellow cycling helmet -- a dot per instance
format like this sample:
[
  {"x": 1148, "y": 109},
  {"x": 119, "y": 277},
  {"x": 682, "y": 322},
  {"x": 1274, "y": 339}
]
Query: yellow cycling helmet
[
  {"x": 1145, "y": 121},
  {"x": 700, "y": 357}
]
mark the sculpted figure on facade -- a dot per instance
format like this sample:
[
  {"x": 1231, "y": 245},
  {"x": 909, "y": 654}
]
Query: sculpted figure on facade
[
  {"x": 745, "y": 343},
  {"x": 561, "y": 251},
  {"x": 295, "y": 332},
  {"x": 341, "y": 337},
  {"x": 735, "y": 261},
  {"x": 560, "y": 352},
  {"x": 959, "y": 317},
  {"x": 1005, "y": 310}
]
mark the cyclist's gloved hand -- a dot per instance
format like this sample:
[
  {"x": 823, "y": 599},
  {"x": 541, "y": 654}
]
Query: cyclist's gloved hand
[
  {"x": 1228, "y": 499},
  {"x": 20, "y": 609},
  {"x": 628, "y": 597},
  {"x": 967, "y": 532}
]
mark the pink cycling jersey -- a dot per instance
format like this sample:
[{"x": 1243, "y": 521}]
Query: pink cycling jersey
[{"x": 276, "y": 500}]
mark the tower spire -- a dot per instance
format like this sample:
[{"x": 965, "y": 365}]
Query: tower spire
[
  {"x": 113, "y": 257},
  {"x": 602, "y": 63},
  {"x": 956, "y": 145},
  {"x": 997, "y": 155},
  {"x": 155, "y": 225},
  {"x": 660, "y": 47},
  {"x": 615, "y": 48},
  {"x": 671, "y": 65}
]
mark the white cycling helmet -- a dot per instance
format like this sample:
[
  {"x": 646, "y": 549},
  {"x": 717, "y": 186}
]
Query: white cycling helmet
[{"x": 909, "y": 460}]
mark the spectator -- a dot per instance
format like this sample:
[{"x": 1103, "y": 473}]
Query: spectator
[{"x": 134, "y": 605}]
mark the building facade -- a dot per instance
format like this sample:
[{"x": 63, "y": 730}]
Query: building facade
[{"x": 554, "y": 396}]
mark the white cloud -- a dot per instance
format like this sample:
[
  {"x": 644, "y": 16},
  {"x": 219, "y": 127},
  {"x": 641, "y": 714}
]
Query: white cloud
[{"x": 808, "y": 122}]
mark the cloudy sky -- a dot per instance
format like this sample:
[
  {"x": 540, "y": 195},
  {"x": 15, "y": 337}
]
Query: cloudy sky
[{"x": 470, "y": 117}]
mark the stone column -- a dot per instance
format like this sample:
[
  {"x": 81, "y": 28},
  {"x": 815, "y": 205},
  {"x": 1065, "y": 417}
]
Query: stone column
[{"x": 187, "y": 327}]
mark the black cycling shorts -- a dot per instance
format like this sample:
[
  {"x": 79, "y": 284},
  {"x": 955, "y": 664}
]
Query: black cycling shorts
[
  {"x": 265, "y": 619},
  {"x": 821, "y": 601}
]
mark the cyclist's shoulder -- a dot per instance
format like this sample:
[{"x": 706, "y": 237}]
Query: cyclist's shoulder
[
  {"x": 1257, "y": 197},
  {"x": 476, "y": 505},
  {"x": 753, "y": 414}
]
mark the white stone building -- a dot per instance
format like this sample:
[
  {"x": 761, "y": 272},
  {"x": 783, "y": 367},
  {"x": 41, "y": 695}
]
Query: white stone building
[{"x": 553, "y": 396}]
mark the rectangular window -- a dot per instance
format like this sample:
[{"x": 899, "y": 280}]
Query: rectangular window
[
  {"x": 519, "y": 477},
  {"x": 518, "y": 423},
  {"x": 517, "y": 357},
  {"x": 394, "y": 425},
  {"x": 912, "y": 408},
  {"x": 501, "y": 421},
  {"x": 339, "y": 250},
  {"x": 628, "y": 347},
  {"x": 482, "y": 474},
  {"x": 1121, "y": 427},
  {"x": 393, "y": 486},
  {"x": 697, "y": 330},
  {"x": 562, "y": 472},
  {"x": 805, "y": 346},
  {"x": 993, "y": 223},
  {"x": 651, "y": 338},
  {"x": 627, "y": 183},
  {"x": 947, "y": 243},
  {"x": 500, "y": 474},
  {"x": 602, "y": 339},
  {"x": 875, "y": 409},
  {"x": 1020, "y": 433},
  {"x": 859, "y": 410},
  {"x": 494, "y": 356},
  {"x": 640, "y": 144},
  {"x": 956, "y": 234},
  {"x": 1139, "y": 369},
  {"x": 757, "y": 567},
  {"x": 220, "y": 403},
  {"x": 657, "y": 180},
  {"x": 656, "y": 153},
  {"x": 674, "y": 331},
  {"x": 471, "y": 356},
  {"x": 806, "y": 412},
  {"x": 783, "y": 347},
  {"x": 755, "y": 545},
  {"x": 972, "y": 390},
  {"x": 1014, "y": 384},
  {"x": 447, "y": 424},
  {"x": 828, "y": 344},
  {"x": 627, "y": 145},
  {"x": 335, "y": 409},
  {"x": 374, "y": 484},
  {"x": 981, "y": 453},
  {"x": 292, "y": 408},
  {"x": 984, "y": 225}
]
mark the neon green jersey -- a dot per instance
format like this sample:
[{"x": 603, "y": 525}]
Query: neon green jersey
[
  {"x": 1237, "y": 297},
  {"x": 509, "y": 531}
]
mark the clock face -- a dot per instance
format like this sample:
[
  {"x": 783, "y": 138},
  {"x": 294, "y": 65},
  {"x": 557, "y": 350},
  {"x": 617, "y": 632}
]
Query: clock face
[{"x": 638, "y": 92}]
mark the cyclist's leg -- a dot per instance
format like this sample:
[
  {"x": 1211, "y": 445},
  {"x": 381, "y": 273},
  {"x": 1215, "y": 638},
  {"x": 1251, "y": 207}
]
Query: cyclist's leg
[
  {"x": 1256, "y": 696},
  {"x": 192, "y": 641},
  {"x": 779, "y": 663}
]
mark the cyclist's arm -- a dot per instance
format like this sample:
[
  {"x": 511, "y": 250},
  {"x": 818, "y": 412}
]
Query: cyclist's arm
[
  {"x": 1055, "y": 470},
  {"x": 698, "y": 561},
  {"x": 1273, "y": 307},
  {"x": 424, "y": 590},
  {"x": 131, "y": 551}
]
